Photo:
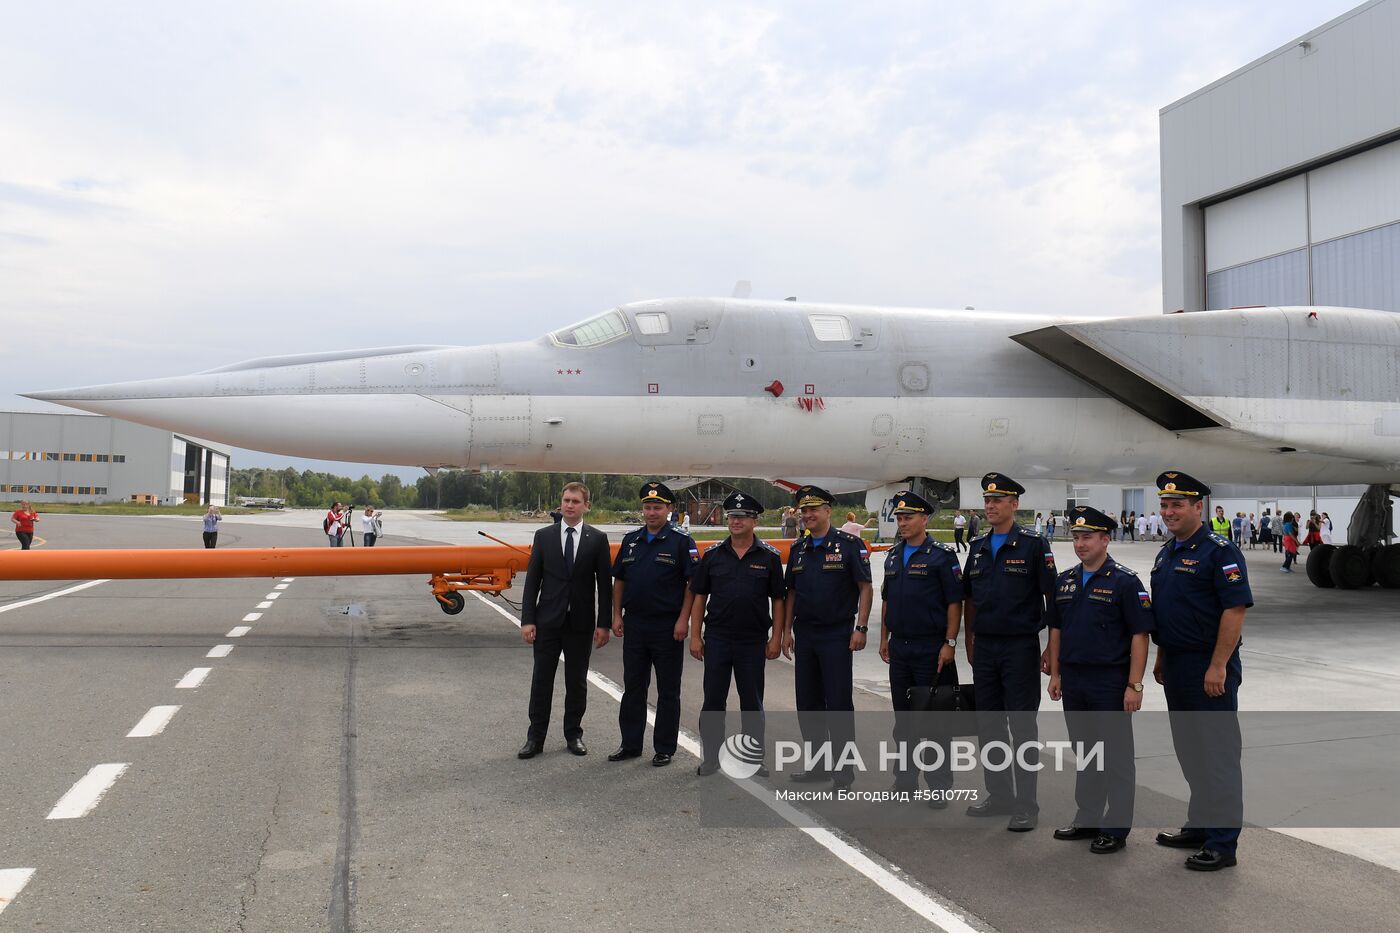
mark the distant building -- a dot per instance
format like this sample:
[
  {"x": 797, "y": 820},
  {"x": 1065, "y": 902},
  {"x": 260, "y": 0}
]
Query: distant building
[{"x": 61, "y": 457}]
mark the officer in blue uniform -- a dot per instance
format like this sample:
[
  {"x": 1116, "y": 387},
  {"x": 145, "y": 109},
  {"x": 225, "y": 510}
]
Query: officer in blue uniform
[
  {"x": 1099, "y": 623},
  {"x": 1200, "y": 588},
  {"x": 651, "y": 606},
  {"x": 920, "y": 614},
  {"x": 828, "y": 579},
  {"x": 1008, "y": 576},
  {"x": 739, "y": 594}
]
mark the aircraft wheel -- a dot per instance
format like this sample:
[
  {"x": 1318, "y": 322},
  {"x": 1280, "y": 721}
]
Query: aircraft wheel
[
  {"x": 1319, "y": 564},
  {"x": 1385, "y": 566},
  {"x": 1350, "y": 567},
  {"x": 456, "y": 602}
]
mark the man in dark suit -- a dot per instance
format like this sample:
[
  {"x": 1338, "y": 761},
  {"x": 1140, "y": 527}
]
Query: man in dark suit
[{"x": 570, "y": 567}]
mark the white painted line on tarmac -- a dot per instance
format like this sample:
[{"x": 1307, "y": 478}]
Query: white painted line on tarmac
[
  {"x": 264, "y": 605},
  {"x": 238, "y": 631},
  {"x": 154, "y": 722},
  {"x": 272, "y": 595},
  {"x": 289, "y": 579},
  {"x": 252, "y": 617},
  {"x": 219, "y": 651},
  {"x": 12, "y": 881},
  {"x": 280, "y": 586},
  {"x": 194, "y": 678},
  {"x": 887, "y": 878},
  {"x": 85, "y": 794},
  {"x": 48, "y": 596}
]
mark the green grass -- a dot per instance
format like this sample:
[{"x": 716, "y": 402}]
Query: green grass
[{"x": 120, "y": 508}]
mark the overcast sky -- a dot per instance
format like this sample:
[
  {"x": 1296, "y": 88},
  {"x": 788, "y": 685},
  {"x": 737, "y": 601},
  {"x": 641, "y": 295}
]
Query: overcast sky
[{"x": 184, "y": 185}]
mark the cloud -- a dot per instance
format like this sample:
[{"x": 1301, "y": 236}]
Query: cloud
[{"x": 187, "y": 188}]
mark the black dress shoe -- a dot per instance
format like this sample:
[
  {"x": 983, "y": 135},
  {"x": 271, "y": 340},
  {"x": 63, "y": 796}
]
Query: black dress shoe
[
  {"x": 707, "y": 768},
  {"x": 530, "y": 749},
  {"x": 622, "y": 754},
  {"x": 1104, "y": 844},
  {"x": 809, "y": 777},
  {"x": 988, "y": 807},
  {"x": 660, "y": 760},
  {"x": 1022, "y": 823},
  {"x": 1209, "y": 860},
  {"x": 938, "y": 803},
  {"x": 1072, "y": 831},
  {"x": 1186, "y": 839},
  {"x": 576, "y": 746}
]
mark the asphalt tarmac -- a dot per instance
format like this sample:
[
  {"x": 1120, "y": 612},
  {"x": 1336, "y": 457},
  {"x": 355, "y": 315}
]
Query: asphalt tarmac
[{"x": 349, "y": 764}]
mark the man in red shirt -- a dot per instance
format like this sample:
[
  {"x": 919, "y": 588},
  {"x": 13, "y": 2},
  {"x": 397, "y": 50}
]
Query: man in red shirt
[{"x": 24, "y": 518}]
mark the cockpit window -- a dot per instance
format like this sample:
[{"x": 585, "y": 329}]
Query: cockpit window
[{"x": 593, "y": 332}]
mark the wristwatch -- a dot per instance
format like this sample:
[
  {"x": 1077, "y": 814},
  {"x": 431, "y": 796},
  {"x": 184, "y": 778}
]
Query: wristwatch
[
  {"x": 1137, "y": 686},
  {"x": 950, "y": 642},
  {"x": 862, "y": 629}
]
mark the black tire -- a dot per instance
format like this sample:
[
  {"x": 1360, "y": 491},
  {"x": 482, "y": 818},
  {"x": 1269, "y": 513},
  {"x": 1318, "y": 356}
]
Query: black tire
[
  {"x": 454, "y": 602},
  {"x": 1350, "y": 567},
  {"x": 1385, "y": 566},
  {"x": 1319, "y": 566}
]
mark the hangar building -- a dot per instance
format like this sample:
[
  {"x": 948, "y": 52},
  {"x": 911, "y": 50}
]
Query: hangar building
[{"x": 62, "y": 457}]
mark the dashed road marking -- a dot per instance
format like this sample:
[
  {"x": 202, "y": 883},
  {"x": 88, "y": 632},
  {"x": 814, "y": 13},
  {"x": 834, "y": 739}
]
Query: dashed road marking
[
  {"x": 280, "y": 586},
  {"x": 272, "y": 595},
  {"x": 154, "y": 722},
  {"x": 85, "y": 794},
  {"x": 264, "y": 605},
  {"x": 12, "y": 881},
  {"x": 911, "y": 896},
  {"x": 289, "y": 579},
  {"x": 219, "y": 651},
  {"x": 252, "y": 617},
  {"x": 48, "y": 596},
  {"x": 238, "y": 631},
  {"x": 194, "y": 678}
]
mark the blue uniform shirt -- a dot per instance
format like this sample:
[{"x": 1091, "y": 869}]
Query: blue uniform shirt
[
  {"x": 739, "y": 589},
  {"x": 1192, "y": 585},
  {"x": 824, "y": 579},
  {"x": 1009, "y": 590},
  {"x": 918, "y": 590},
  {"x": 655, "y": 572},
  {"x": 1099, "y": 616}
]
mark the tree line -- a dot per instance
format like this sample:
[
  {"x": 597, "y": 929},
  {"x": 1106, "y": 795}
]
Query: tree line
[{"x": 460, "y": 489}]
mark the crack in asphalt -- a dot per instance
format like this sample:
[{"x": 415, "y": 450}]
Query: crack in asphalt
[
  {"x": 250, "y": 880},
  {"x": 342, "y": 903}
]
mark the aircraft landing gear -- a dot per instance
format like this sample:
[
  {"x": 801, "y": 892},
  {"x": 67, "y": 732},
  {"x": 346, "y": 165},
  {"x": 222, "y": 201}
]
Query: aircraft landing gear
[{"x": 1370, "y": 559}]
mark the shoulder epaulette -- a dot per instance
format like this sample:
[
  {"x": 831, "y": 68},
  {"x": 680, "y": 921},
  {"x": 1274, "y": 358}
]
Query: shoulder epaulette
[
  {"x": 946, "y": 547},
  {"x": 1219, "y": 539},
  {"x": 766, "y": 546}
]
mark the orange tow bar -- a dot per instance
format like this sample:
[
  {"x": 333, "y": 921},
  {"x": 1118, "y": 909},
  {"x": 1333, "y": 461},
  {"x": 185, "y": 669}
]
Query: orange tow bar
[{"x": 488, "y": 569}]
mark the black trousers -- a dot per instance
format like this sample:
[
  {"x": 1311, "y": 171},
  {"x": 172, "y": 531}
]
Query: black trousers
[
  {"x": 725, "y": 661},
  {"x": 211, "y": 538},
  {"x": 576, "y": 647},
  {"x": 370, "y": 538},
  {"x": 648, "y": 643},
  {"x": 1006, "y": 682},
  {"x": 914, "y": 663},
  {"x": 1093, "y": 703},
  {"x": 26, "y": 538}
]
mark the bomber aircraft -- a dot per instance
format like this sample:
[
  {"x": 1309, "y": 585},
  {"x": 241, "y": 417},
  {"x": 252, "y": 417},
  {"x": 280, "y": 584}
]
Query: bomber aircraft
[{"x": 849, "y": 397}]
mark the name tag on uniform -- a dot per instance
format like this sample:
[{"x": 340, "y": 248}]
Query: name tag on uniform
[{"x": 664, "y": 558}]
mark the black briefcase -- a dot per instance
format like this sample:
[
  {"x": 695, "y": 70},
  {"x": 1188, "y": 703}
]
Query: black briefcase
[{"x": 948, "y": 696}]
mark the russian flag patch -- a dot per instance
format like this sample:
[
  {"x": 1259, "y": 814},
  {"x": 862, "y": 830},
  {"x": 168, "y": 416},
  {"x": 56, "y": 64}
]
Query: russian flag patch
[{"x": 1145, "y": 600}]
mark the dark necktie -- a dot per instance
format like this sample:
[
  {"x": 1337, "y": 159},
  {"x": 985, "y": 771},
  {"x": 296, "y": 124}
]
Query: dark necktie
[{"x": 568, "y": 550}]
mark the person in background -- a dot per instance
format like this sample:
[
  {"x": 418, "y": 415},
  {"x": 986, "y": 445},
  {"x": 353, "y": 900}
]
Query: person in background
[
  {"x": 1050, "y": 527},
  {"x": 1252, "y": 531},
  {"x": 1237, "y": 529},
  {"x": 1290, "y": 541},
  {"x": 1314, "y": 530},
  {"x": 372, "y": 525},
  {"x": 211, "y": 527},
  {"x": 1040, "y": 524},
  {"x": 788, "y": 526},
  {"x": 1266, "y": 529},
  {"x": 1141, "y": 528},
  {"x": 959, "y": 529},
  {"x": 685, "y": 521},
  {"x": 1123, "y": 529},
  {"x": 1326, "y": 528},
  {"x": 853, "y": 527},
  {"x": 974, "y": 525},
  {"x": 334, "y": 524},
  {"x": 24, "y": 518}
]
